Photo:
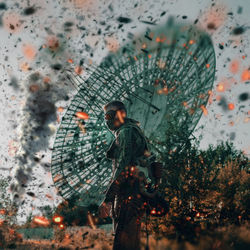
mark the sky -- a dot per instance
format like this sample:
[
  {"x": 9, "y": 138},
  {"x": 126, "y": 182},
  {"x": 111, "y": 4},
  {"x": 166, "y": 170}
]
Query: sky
[{"x": 40, "y": 37}]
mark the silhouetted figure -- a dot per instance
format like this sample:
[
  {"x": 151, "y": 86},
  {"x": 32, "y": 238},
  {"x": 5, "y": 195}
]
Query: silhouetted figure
[{"x": 126, "y": 191}]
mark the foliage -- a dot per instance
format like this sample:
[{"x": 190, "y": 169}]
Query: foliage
[{"x": 205, "y": 189}]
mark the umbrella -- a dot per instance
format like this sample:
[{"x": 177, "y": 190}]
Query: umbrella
[{"x": 164, "y": 76}]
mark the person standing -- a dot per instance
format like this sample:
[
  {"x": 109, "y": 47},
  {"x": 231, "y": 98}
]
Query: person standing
[{"x": 124, "y": 196}]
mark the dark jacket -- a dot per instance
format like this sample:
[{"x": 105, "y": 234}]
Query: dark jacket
[{"x": 126, "y": 148}]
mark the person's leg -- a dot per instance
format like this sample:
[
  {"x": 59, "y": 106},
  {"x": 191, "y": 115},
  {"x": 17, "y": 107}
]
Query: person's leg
[{"x": 128, "y": 229}]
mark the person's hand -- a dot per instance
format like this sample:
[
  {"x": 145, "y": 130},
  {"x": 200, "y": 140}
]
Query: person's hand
[{"x": 104, "y": 210}]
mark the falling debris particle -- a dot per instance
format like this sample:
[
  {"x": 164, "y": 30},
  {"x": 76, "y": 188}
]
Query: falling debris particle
[
  {"x": 163, "y": 13},
  {"x": 56, "y": 66},
  {"x": 3, "y": 6},
  {"x": 30, "y": 194},
  {"x": 211, "y": 26},
  {"x": 238, "y": 31},
  {"x": 221, "y": 46},
  {"x": 29, "y": 11},
  {"x": 243, "y": 97},
  {"x": 239, "y": 11},
  {"x": 124, "y": 19}
]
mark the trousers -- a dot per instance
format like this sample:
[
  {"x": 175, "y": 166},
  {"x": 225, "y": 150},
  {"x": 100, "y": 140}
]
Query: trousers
[{"x": 127, "y": 211}]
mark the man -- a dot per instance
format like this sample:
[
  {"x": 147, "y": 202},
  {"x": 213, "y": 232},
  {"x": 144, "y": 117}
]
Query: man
[{"x": 124, "y": 193}]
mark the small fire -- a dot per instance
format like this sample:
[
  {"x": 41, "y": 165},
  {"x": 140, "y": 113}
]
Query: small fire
[
  {"x": 82, "y": 115},
  {"x": 57, "y": 219},
  {"x": 230, "y": 106},
  {"x": 61, "y": 226},
  {"x": 41, "y": 220},
  {"x": 153, "y": 211}
]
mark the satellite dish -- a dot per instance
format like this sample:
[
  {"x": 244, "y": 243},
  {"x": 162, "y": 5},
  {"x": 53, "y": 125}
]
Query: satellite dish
[{"x": 164, "y": 77}]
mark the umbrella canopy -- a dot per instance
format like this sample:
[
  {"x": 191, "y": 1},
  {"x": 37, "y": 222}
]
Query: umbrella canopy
[{"x": 164, "y": 76}]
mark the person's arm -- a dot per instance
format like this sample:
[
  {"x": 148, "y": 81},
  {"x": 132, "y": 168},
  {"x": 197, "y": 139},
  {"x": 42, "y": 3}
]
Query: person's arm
[{"x": 125, "y": 140}]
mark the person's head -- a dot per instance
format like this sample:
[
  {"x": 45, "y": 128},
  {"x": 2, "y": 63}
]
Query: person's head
[{"x": 114, "y": 114}]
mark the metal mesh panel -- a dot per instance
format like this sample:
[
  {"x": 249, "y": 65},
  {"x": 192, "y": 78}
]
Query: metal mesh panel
[{"x": 163, "y": 75}]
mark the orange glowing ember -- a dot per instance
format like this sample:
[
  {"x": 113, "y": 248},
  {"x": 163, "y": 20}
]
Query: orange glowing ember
[
  {"x": 57, "y": 219},
  {"x": 46, "y": 79},
  {"x": 70, "y": 61},
  {"x": 60, "y": 109},
  {"x": 230, "y": 106},
  {"x": 61, "y": 226},
  {"x": 25, "y": 67},
  {"x": 2, "y": 211},
  {"x": 158, "y": 39},
  {"x": 191, "y": 42},
  {"x": 78, "y": 70},
  {"x": 120, "y": 116},
  {"x": 245, "y": 76},
  {"x": 234, "y": 66},
  {"x": 29, "y": 51},
  {"x": 41, "y": 220},
  {"x": 149, "y": 56},
  {"x": 82, "y": 115},
  {"x": 207, "y": 65},
  {"x": 204, "y": 110},
  {"x": 1, "y": 221},
  {"x": 153, "y": 212},
  {"x": 220, "y": 87}
]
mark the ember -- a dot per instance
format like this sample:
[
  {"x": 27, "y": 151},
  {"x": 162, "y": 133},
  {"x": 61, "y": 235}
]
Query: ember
[{"x": 82, "y": 115}]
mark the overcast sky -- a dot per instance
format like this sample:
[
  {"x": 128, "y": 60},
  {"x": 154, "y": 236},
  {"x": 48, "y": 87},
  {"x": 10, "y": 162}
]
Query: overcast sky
[{"x": 85, "y": 30}]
